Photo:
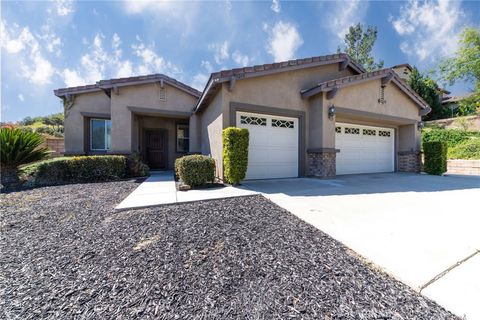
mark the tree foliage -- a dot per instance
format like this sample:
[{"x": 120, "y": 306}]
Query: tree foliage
[
  {"x": 429, "y": 91},
  {"x": 359, "y": 45},
  {"x": 465, "y": 64}
]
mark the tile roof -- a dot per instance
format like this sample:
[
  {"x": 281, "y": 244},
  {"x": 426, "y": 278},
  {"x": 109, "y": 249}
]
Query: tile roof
[
  {"x": 217, "y": 78},
  {"x": 106, "y": 84},
  {"x": 355, "y": 79}
]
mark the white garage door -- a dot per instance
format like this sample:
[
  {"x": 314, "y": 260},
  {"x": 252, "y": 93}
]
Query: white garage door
[
  {"x": 273, "y": 145},
  {"x": 364, "y": 149}
]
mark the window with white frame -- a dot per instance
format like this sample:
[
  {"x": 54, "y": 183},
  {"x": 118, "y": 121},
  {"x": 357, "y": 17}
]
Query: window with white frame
[
  {"x": 100, "y": 134},
  {"x": 183, "y": 138}
]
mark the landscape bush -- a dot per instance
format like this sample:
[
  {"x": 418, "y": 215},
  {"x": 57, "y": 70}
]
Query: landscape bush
[
  {"x": 235, "y": 154},
  {"x": 435, "y": 153},
  {"x": 76, "y": 170},
  {"x": 18, "y": 147},
  {"x": 467, "y": 149},
  {"x": 450, "y": 136},
  {"x": 135, "y": 166},
  {"x": 195, "y": 170}
]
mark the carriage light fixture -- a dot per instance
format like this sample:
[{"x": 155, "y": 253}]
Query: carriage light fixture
[
  {"x": 331, "y": 112},
  {"x": 420, "y": 125}
]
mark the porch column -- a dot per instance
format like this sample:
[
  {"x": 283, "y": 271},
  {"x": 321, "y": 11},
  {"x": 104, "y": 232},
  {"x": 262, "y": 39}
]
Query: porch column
[
  {"x": 409, "y": 157},
  {"x": 321, "y": 153},
  {"x": 195, "y": 139},
  {"x": 121, "y": 130}
]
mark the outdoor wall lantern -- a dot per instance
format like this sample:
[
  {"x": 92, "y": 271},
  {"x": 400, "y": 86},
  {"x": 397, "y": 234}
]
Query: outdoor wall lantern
[
  {"x": 331, "y": 112},
  {"x": 420, "y": 125}
]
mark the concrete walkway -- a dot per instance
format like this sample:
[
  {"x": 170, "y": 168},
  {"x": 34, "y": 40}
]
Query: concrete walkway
[{"x": 159, "y": 189}]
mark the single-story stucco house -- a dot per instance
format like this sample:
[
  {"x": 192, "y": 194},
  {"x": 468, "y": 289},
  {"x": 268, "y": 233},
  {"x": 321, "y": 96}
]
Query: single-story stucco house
[{"x": 321, "y": 116}]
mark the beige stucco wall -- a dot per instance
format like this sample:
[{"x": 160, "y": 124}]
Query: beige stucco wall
[
  {"x": 124, "y": 135},
  {"x": 280, "y": 90},
  {"x": 364, "y": 97},
  {"x": 76, "y": 125},
  {"x": 212, "y": 124},
  {"x": 403, "y": 113}
]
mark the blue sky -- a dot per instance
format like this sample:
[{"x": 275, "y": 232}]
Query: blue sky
[{"x": 49, "y": 45}]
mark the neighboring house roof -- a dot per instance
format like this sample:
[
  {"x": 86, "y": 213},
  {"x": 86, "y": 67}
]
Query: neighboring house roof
[
  {"x": 104, "y": 85},
  {"x": 217, "y": 78},
  {"x": 454, "y": 99},
  {"x": 403, "y": 65},
  {"x": 387, "y": 75}
]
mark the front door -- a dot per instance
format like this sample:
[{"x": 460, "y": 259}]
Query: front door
[{"x": 156, "y": 149}]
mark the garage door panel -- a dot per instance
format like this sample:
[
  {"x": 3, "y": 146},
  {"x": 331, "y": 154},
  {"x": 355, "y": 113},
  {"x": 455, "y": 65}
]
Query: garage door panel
[
  {"x": 273, "y": 147},
  {"x": 363, "y": 149}
]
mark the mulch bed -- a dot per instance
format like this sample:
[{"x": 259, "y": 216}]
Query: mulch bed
[{"x": 65, "y": 253}]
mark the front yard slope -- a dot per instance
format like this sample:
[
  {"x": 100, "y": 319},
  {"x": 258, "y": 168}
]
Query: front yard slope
[{"x": 67, "y": 254}]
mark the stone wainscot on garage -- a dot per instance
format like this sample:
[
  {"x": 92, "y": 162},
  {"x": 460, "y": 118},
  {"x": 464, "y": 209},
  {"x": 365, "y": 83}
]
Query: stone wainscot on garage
[{"x": 321, "y": 116}]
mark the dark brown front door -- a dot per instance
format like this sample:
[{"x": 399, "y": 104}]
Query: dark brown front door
[{"x": 156, "y": 149}]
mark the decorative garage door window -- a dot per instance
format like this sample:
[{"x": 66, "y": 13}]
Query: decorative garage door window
[
  {"x": 254, "y": 121},
  {"x": 338, "y": 129},
  {"x": 352, "y": 131},
  {"x": 369, "y": 132},
  {"x": 282, "y": 123},
  {"x": 383, "y": 133}
]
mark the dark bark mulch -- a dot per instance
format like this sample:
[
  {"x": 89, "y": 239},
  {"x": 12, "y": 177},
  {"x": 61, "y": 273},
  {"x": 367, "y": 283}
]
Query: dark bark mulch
[{"x": 66, "y": 254}]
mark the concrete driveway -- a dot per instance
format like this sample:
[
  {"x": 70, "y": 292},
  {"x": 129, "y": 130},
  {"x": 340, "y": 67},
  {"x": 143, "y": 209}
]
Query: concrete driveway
[{"x": 424, "y": 230}]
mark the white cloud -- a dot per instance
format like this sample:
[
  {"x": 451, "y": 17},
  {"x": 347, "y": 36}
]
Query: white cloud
[
  {"x": 276, "y": 6},
  {"x": 27, "y": 50},
  {"x": 51, "y": 41},
  {"x": 221, "y": 51},
  {"x": 21, "y": 98},
  {"x": 284, "y": 40},
  {"x": 430, "y": 29},
  {"x": 345, "y": 14},
  {"x": 64, "y": 7},
  {"x": 139, "y": 6},
  {"x": 100, "y": 62},
  {"x": 240, "y": 59},
  {"x": 199, "y": 81},
  {"x": 207, "y": 65},
  {"x": 151, "y": 62}
]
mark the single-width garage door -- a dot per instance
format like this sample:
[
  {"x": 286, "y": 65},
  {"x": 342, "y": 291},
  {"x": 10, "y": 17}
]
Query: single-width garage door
[
  {"x": 364, "y": 149},
  {"x": 273, "y": 145}
]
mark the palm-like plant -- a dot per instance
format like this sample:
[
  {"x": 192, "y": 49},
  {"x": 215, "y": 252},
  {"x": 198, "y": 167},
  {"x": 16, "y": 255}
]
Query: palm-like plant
[{"x": 18, "y": 147}]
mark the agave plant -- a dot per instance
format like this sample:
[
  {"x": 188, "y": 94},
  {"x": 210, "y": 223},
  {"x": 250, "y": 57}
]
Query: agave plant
[{"x": 18, "y": 147}]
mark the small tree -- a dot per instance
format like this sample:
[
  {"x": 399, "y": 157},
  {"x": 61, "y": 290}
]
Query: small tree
[
  {"x": 359, "y": 45},
  {"x": 18, "y": 147},
  {"x": 235, "y": 154},
  {"x": 429, "y": 91}
]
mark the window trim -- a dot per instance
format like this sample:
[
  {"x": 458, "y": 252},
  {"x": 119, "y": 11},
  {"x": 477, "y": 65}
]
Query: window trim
[
  {"x": 177, "y": 125},
  {"x": 105, "y": 129}
]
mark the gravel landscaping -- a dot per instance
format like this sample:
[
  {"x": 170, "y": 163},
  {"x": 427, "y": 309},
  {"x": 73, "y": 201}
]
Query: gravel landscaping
[{"x": 65, "y": 253}]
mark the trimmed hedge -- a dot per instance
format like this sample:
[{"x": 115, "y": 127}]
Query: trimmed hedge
[
  {"x": 435, "y": 157},
  {"x": 468, "y": 149},
  {"x": 235, "y": 154},
  {"x": 77, "y": 170},
  {"x": 195, "y": 169}
]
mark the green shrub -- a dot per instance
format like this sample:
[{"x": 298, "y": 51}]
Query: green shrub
[
  {"x": 235, "y": 154},
  {"x": 435, "y": 153},
  {"x": 451, "y": 136},
  {"x": 135, "y": 166},
  {"x": 468, "y": 149},
  {"x": 18, "y": 147},
  {"x": 195, "y": 170},
  {"x": 77, "y": 169}
]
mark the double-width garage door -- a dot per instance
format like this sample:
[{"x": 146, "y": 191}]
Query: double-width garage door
[
  {"x": 364, "y": 149},
  {"x": 273, "y": 145}
]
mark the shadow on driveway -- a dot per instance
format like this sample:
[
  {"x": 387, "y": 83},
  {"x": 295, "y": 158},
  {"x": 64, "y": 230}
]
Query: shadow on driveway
[{"x": 363, "y": 184}]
